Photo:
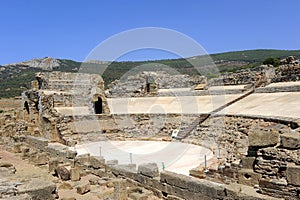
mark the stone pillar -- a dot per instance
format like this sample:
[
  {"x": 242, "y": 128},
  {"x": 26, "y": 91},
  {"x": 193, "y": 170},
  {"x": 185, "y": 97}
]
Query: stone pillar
[{"x": 120, "y": 192}]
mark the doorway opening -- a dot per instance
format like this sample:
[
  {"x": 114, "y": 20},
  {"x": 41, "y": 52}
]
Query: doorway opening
[
  {"x": 98, "y": 106},
  {"x": 26, "y": 106}
]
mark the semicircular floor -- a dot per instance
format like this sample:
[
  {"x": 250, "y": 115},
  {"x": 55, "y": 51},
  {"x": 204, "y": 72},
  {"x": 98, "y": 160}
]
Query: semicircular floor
[{"x": 177, "y": 157}]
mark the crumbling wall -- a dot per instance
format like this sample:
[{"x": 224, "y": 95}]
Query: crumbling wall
[
  {"x": 147, "y": 83},
  {"x": 288, "y": 70},
  {"x": 259, "y": 76},
  {"x": 254, "y": 151}
]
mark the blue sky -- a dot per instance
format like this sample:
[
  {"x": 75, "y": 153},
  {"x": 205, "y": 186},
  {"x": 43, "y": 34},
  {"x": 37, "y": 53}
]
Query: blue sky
[{"x": 71, "y": 29}]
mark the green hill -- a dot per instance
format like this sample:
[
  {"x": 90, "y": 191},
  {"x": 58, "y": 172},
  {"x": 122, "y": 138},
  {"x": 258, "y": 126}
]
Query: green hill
[{"x": 15, "y": 79}]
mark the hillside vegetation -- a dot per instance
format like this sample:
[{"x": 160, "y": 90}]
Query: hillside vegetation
[{"x": 15, "y": 79}]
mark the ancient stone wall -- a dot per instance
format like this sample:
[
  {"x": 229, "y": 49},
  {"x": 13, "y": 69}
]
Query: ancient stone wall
[
  {"x": 289, "y": 70},
  {"x": 258, "y": 152},
  {"x": 256, "y": 77},
  {"x": 147, "y": 83}
]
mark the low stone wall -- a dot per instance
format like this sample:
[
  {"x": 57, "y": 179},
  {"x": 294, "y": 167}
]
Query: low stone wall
[
  {"x": 169, "y": 185},
  {"x": 255, "y": 151},
  {"x": 294, "y": 88}
]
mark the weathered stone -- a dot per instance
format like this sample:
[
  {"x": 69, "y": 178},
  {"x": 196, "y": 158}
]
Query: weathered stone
[
  {"x": 94, "y": 180},
  {"x": 24, "y": 151},
  {"x": 17, "y": 148},
  {"x": 97, "y": 162},
  {"x": 75, "y": 174},
  {"x": 68, "y": 198},
  {"x": 82, "y": 160},
  {"x": 38, "y": 189},
  {"x": 5, "y": 164},
  {"x": 82, "y": 189},
  {"x": 293, "y": 174},
  {"x": 41, "y": 158},
  {"x": 248, "y": 177},
  {"x": 148, "y": 169},
  {"x": 65, "y": 186},
  {"x": 63, "y": 173},
  {"x": 259, "y": 138},
  {"x": 120, "y": 191},
  {"x": 247, "y": 162},
  {"x": 53, "y": 164},
  {"x": 290, "y": 140}
]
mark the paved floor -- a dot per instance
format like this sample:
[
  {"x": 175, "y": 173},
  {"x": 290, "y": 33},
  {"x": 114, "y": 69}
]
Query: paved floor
[
  {"x": 177, "y": 157},
  {"x": 283, "y": 104},
  {"x": 177, "y": 104}
]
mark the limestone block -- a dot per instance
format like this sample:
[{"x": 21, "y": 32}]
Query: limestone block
[
  {"x": 75, "y": 174},
  {"x": 247, "y": 162},
  {"x": 38, "y": 189},
  {"x": 261, "y": 138},
  {"x": 97, "y": 162},
  {"x": 63, "y": 173},
  {"x": 248, "y": 177},
  {"x": 293, "y": 174},
  {"x": 120, "y": 189},
  {"x": 41, "y": 159},
  {"x": 83, "y": 160},
  {"x": 85, "y": 188},
  {"x": 53, "y": 164},
  {"x": 290, "y": 140},
  {"x": 149, "y": 169}
]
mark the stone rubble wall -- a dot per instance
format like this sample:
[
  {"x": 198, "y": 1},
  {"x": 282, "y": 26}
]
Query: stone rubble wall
[
  {"x": 259, "y": 76},
  {"x": 288, "y": 70},
  {"x": 255, "y": 151},
  {"x": 166, "y": 185},
  {"x": 135, "y": 85}
]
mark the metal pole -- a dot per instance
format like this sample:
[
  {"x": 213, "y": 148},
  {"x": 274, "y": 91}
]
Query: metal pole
[
  {"x": 205, "y": 166},
  {"x": 100, "y": 151}
]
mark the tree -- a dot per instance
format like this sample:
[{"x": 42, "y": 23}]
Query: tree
[{"x": 272, "y": 61}]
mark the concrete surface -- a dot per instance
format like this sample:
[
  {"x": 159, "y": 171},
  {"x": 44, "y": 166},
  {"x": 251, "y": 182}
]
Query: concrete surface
[
  {"x": 177, "y": 104},
  {"x": 84, "y": 110},
  {"x": 283, "y": 104},
  {"x": 177, "y": 157},
  {"x": 284, "y": 84}
]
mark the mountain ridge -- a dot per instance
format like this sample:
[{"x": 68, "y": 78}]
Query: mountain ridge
[{"x": 14, "y": 78}]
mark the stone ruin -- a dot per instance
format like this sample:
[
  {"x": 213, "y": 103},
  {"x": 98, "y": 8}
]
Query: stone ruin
[
  {"x": 55, "y": 94},
  {"x": 256, "y": 157}
]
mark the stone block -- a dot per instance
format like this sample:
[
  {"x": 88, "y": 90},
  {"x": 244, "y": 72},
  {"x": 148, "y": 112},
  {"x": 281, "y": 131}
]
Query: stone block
[
  {"x": 37, "y": 142},
  {"x": 40, "y": 159},
  {"x": 248, "y": 177},
  {"x": 82, "y": 160},
  {"x": 63, "y": 173},
  {"x": 84, "y": 188},
  {"x": 260, "y": 138},
  {"x": 293, "y": 174},
  {"x": 149, "y": 169},
  {"x": 109, "y": 164},
  {"x": 38, "y": 189},
  {"x": 75, "y": 174},
  {"x": 17, "y": 148},
  {"x": 97, "y": 162},
  {"x": 290, "y": 140},
  {"x": 53, "y": 164},
  {"x": 174, "y": 179},
  {"x": 120, "y": 189},
  {"x": 247, "y": 162}
]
